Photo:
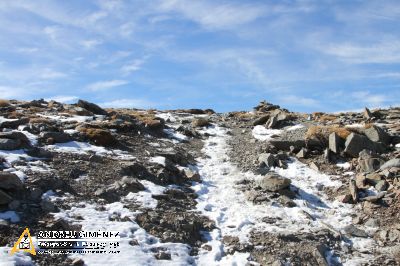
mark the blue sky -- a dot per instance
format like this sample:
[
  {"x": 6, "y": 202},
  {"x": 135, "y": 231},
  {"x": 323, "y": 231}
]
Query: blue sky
[{"x": 227, "y": 55}]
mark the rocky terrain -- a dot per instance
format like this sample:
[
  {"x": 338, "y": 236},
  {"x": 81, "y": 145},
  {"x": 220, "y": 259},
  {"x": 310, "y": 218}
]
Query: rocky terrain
[{"x": 193, "y": 187}]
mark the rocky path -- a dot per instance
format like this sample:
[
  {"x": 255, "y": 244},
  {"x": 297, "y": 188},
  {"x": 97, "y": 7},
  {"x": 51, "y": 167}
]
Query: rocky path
[{"x": 237, "y": 218}]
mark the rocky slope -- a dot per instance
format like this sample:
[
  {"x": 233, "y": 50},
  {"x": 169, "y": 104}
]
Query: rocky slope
[{"x": 267, "y": 187}]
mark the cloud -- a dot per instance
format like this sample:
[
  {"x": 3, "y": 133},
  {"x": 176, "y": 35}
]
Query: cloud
[
  {"x": 293, "y": 100},
  {"x": 63, "y": 98},
  {"x": 8, "y": 92},
  {"x": 135, "y": 65},
  {"x": 88, "y": 44},
  {"x": 372, "y": 100},
  {"x": 105, "y": 85},
  {"x": 49, "y": 73},
  {"x": 383, "y": 52},
  {"x": 212, "y": 15},
  {"x": 129, "y": 103}
]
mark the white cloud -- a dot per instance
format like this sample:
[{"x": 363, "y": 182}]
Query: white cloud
[
  {"x": 88, "y": 44},
  {"x": 372, "y": 100},
  {"x": 135, "y": 65},
  {"x": 49, "y": 73},
  {"x": 9, "y": 92},
  {"x": 212, "y": 15},
  {"x": 383, "y": 52},
  {"x": 294, "y": 100},
  {"x": 129, "y": 103},
  {"x": 63, "y": 98},
  {"x": 105, "y": 85}
]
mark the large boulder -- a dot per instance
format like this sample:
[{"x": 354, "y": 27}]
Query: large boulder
[
  {"x": 57, "y": 137},
  {"x": 10, "y": 181},
  {"x": 200, "y": 122},
  {"x": 13, "y": 140},
  {"x": 377, "y": 134},
  {"x": 98, "y": 136},
  {"x": 368, "y": 161},
  {"x": 4, "y": 198},
  {"x": 9, "y": 144},
  {"x": 355, "y": 143},
  {"x": 14, "y": 123},
  {"x": 94, "y": 108},
  {"x": 273, "y": 182}
]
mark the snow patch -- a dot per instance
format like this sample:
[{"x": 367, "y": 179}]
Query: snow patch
[
  {"x": 158, "y": 160},
  {"x": 261, "y": 133}
]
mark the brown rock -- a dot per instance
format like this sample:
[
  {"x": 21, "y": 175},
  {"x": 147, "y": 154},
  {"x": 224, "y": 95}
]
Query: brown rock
[{"x": 10, "y": 181}]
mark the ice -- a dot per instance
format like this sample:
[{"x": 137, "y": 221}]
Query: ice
[{"x": 262, "y": 133}]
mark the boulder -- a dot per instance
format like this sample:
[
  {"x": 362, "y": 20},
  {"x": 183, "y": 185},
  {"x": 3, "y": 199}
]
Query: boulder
[
  {"x": 361, "y": 181},
  {"x": 17, "y": 136},
  {"x": 370, "y": 165},
  {"x": 200, "y": 122},
  {"x": 99, "y": 136},
  {"x": 94, "y": 108},
  {"x": 336, "y": 143},
  {"x": 272, "y": 122},
  {"x": 14, "y": 124},
  {"x": 268, "y": 159},
  {"x": 261, "y": 120},
  {"x": 128, "y": 184},
  {"x": 355, "y": 143},
  {"x": 377, "y": 134},
  {"x": 273, "y": 182},
  {"x": 9, "y": 144},
  {"x": 58, "y": 137},
  {"x": 346, "y": 198},
  {"x": 192, "y": 175},
  {"x": 4, "y": 198},
  {"x": 353, "y": 190},
  {"x": 391, "y": 163},
  {"x": 10, "y": 181},
  {"x": 367, "y": 114}
]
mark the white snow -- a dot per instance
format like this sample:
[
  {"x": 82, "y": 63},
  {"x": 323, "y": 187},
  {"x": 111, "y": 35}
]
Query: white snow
[
  {"x": 129, "y": 230},
  {"x": 262, "y": 133},
  {"x": 145, "y": 197},
  {"x": 345, "y": 165},
  {"x": 15, "y": 155},
  {"x": 234, "y": 215},
  {"x": 298, "y": 126},
  {"x": 158, "y": 160},
  {"x": 68, "y": 118},
  {"x": 168, "y": 117},
  {"x": 10, "y": 215},
  {"x": 398, "y": 145},
  {"x": 175, "y": 135},
  {"x": 19, "y": 258},
  {"x": 85, "y": 148},
  {"x": 3, "y": 119}
]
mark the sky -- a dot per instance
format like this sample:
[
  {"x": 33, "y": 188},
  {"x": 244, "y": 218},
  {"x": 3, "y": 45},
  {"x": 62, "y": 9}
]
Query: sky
[{"x": 226, "y": 55}]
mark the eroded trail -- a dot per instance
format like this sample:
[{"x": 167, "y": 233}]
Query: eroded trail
[{"x": 235, "y": 216}]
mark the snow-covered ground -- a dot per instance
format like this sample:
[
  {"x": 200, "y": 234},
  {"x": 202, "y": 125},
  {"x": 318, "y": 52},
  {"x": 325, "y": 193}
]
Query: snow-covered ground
[{"x": 234, "y": 215}]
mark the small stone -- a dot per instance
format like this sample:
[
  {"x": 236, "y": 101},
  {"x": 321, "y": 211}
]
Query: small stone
[
  {"x": 346, "y": 198},
  {"x": 353, "y": 190}
]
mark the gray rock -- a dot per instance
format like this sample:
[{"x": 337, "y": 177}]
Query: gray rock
[
  {"x": 261, "y": 120},
  {"x": 367, "y": 114},
  {"x": 19, "y": 137},
  {"x": 391, "y": 163},
  {"x": 382, "y": 185},
  {"x": 353, "y": 190},
  {"x": 335, "y": 143},
  {"x": 371, "y": 222},
  {"x": 10, "y": 181},
  {"x": 273, "y": 182},
  {"x": 200, "y": 122},
  {"x": 302, "y": 153},
  {"x": 355, "y": 143},
  {"x": 354, "y": 231},
  {"x": 9, "y": 144},
  {"x": 377, "y": 134},
  {"x": 314, "y": 166},
  {"x": 370, "y": 165},
  {"x": 48, "y": 206},
  {"x": 58, "y": 137},
  {"x": 94, "y": 108},
  {"x": 14, "y": 123},
  {"x": 268, "y": 159},
  {"x": 4, "y": 198},
  {"x": 272, "y": 122}
]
